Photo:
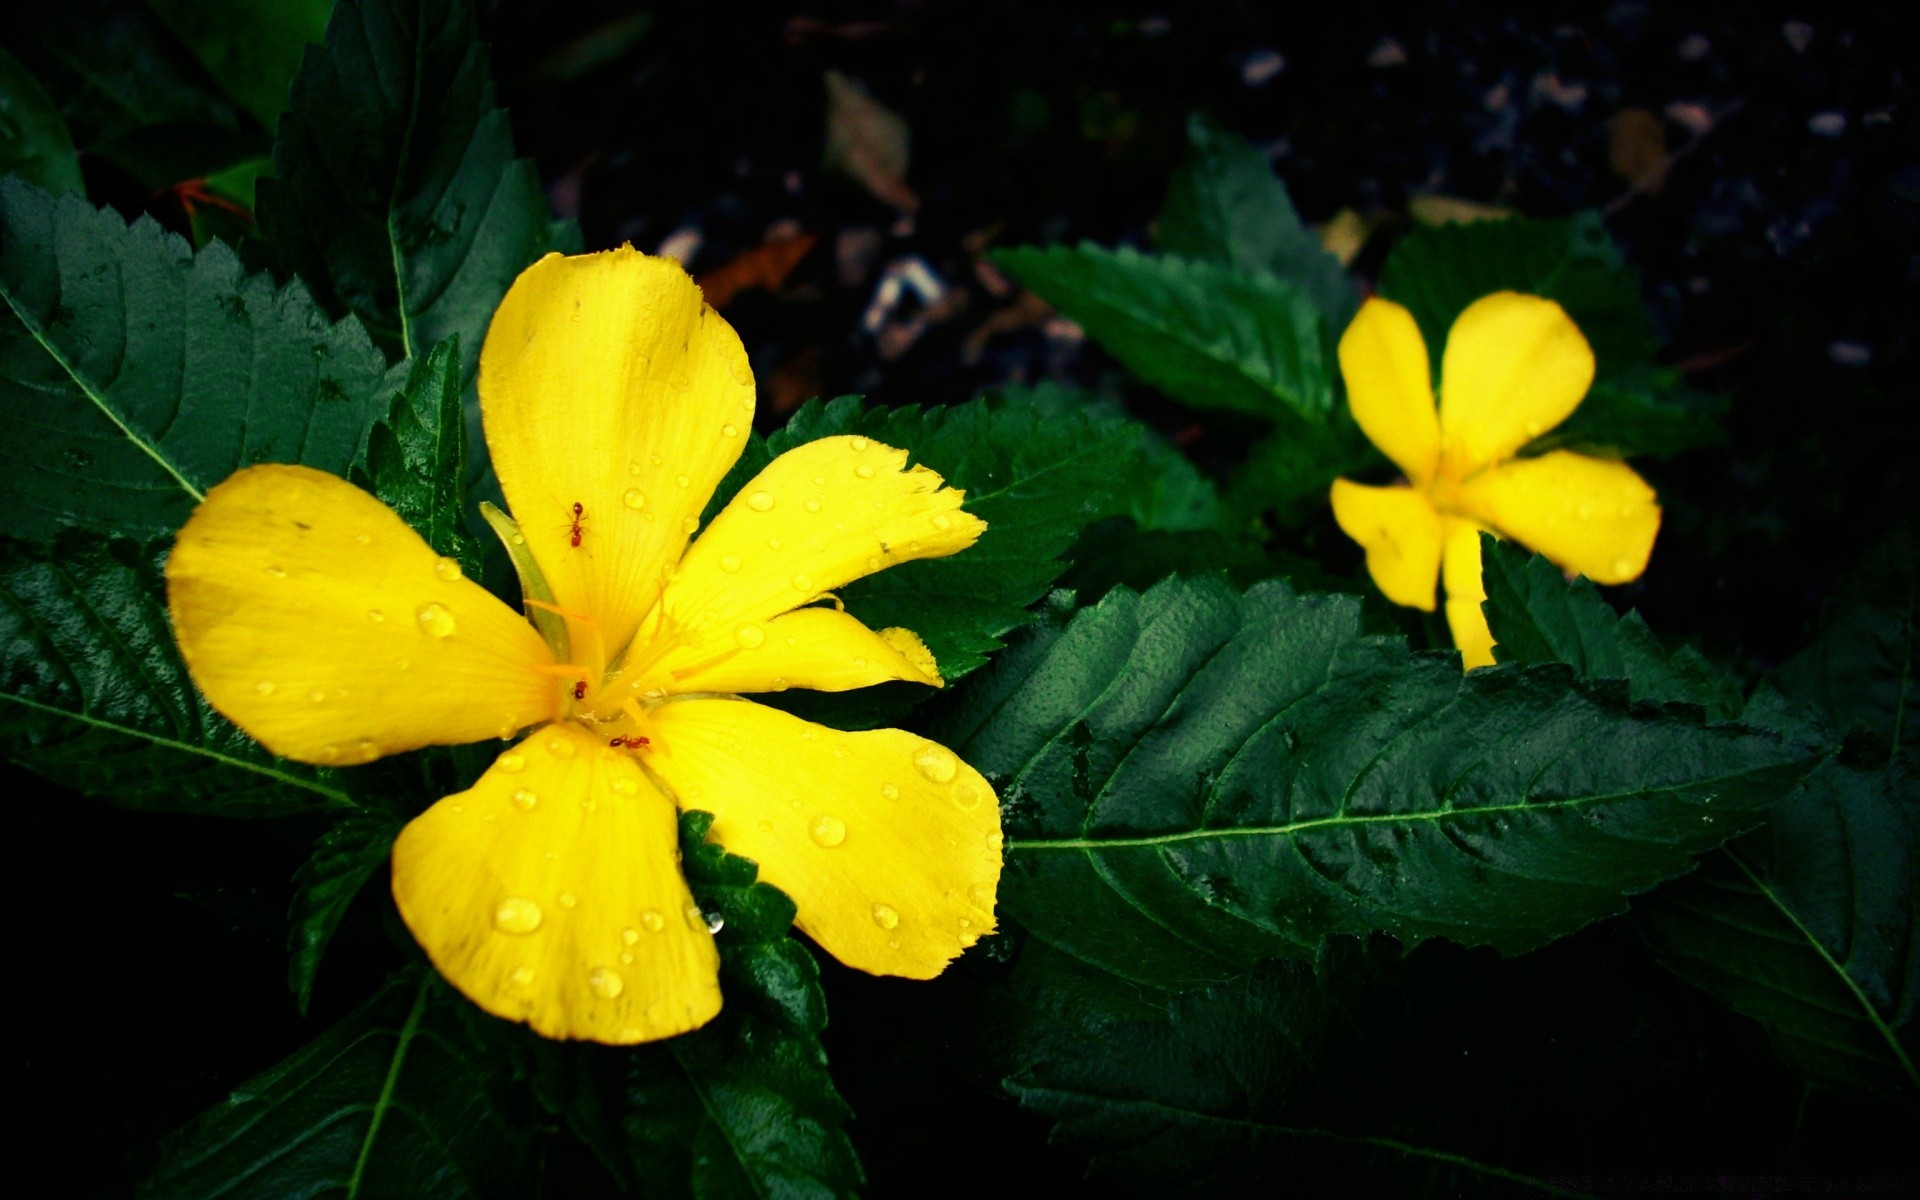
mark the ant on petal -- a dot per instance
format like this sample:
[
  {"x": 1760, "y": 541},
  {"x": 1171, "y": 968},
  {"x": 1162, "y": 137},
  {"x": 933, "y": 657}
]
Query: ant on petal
[
  {"x": 630, "y": 743},
  {"x": 576, "y": 528}
]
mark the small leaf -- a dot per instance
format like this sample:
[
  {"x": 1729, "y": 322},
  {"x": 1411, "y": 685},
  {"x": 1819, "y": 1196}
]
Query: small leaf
[
  {"x": 416, "y": 457},
  {"x": 1860, "y": 673},
  {"x": 252, "y": 50},
  {"x": 37, "y": 146},
  {"x": 1226, "y": 205},
  {"x": 868, "y": 142},
  {"x": 392, "y": 1101},
  {"x": 98, "y": 700},
  {"x": 140, "y": 374},
  {"x": 344, "y": 858},
  {"x": 1194, "y": 780}
]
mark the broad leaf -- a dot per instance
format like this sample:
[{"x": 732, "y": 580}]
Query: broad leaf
[
  {"x": 1639, "y": 413},
  {"x": 743, "y": 1107},
  {"x": 138, "y": 374},
  {"x": 251, "y": 49},
  {"x": 1226, "y": 205},
  {"x": 392, "y": 1101},
  {"x": 36, "y": 145},
  {"x": 1034, "y": 472},
  {"x": 1194, "y": 780},
  {"x": 1203, "y": 333},
  {"x": 416, "y": 458},
  {"x": 98, "y": 700},
  {"x": 1860, "y": 671},
  {"x": 1538, "y": 616},
  {"x": 399, "y": 198},
  {"x": 1437, "y": 271},
  {"x": 344, "y": 858}
]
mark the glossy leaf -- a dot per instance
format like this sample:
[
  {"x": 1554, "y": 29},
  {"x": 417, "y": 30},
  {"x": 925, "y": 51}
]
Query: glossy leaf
[
  {"x": 251, "y": 49},
  {"x": 98, "y": 700},
  {"x": 1194, "y": 780},
  {"x": 139, "y": 374},
  {"x": 34, "y": 142},
  {"x": 344, "y": 858},
  {"x": 416, "y": 457}
]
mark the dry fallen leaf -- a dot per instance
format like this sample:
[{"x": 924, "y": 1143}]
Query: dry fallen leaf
[
  {"x": 1345, "y": 233},
  {"x": 868, "y": 142},
  {"x": 1637, "y": 148},
  {"x": 765, "y": 266},
  {"x": 1452, "y": 210}
]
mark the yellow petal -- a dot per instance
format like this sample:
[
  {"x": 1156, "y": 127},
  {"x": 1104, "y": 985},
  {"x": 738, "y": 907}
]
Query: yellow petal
[
  {"x": 607, "y": 382},
  {"x": 549, "y": 893},
  {"x": 1515, "y": 366},
  {"x": 1465, "y": 592},
  {"x": 1390, "y": 386},
  {"x": 1587, "y": 515},
  {"x": 314, "y": 618},
  {"x": 818, "y": 648},
  {"x": 820, "y": 516},
  {"x": 888, "y": 844},
  {"x": 1401, "y": 533}
]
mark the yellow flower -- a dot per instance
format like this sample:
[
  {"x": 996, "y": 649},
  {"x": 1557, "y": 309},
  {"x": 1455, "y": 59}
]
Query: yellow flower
[
  {"x": 614, "y": 401},
  {"x": 1514, "y": 367}
]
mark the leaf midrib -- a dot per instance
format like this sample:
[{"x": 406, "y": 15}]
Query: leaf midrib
[{"x": 402, "y": 1042}]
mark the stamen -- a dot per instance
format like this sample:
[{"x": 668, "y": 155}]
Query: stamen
[{"x": 680, "y": 673}]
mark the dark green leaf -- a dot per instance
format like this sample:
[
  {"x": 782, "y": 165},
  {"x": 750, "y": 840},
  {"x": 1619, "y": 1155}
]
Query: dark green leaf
[
  {"x": 139, "y": 374},
  {"x": 416, "y": 458},
  {"x": 1194, "y": 780},
  {"x": 1639, "y": 413},
  {"x": 742, "y": 1107},
  {"x": 1289, "y": 474},
  {"x": 34, "y": 142},
  {"x": 1538, "y": 616},
  {"x": 1808, "y": 927},
  {"x": 399, "y": 198},
  {"x": 131, "y": 92},
  {"x": 1437, "y": 271},
  {"x": 392, "y": 1101},
  {"x": 251, "y": 49},
  {"x": 1859, "y": 673},
  {"x": 1205, "y": 334},
  {"x": 1226, "y": 205},
  {"x": 345, "y": 857},
  {"x": 97, "y": 699},
  {"x": 1035, "y": 473}
]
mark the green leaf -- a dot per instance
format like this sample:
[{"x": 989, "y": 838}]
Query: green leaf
[
  {"x": 344, "y": 858},
  {"x": 1860, "y": 672},
  {"x": 139, "y": 374},
  {"x": 98, "y": 700},
  {"x": 1437, "y": 271},
  {"x": 1808, "y": 927},
  {"x": 131, "y": 92},
  {"x": 1638, "y": 413},
  {"x": 1203, "y": 333},
  {"x": 741, "y": 1107},
  {"x": 34, "y": 142},
  {"x": 1290, "y": 474},
  {"x": 1034, "y": 472},
  {"x": 1194, "y": 780},
  {"x": 251, "y": 49},
  {"x": 1226, "y": 205},
  {"x": 1298, "y": 1072},
  {"x": 392, "y": 1101},
  {"x": 1538, "y": 616},
  {"x": 416, "y": 458},
  {"x": 399, "y": 198}
]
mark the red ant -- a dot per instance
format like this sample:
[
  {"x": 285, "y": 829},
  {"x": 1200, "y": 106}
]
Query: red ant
[
  {"x": 631, "y": 743},
  {"x": 580, "y": 690},
  {"x": 579, "y": 515}
]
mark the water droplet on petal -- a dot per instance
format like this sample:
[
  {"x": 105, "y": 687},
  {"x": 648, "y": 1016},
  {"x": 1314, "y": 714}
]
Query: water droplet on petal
[
  {"x": 695, "y": 918},
  {"x": 966, "y": 797},
  {"x": 277, "y": 572},
  {"x": 689, "y": 524},
  {"x": 729, "y": 563},
  {"x": 634, "y": 468},
  {"x": 936, "y": 762},
  {"x": 889, "y": 791},
  {"x": 559, "y": 747},
  {"x": 625, "y": 786},
  {"x": 802, "y": 582},
  {"x": 317, "y": 696},
  {"x": 376, "y": 616},
  {"x": 995, "y": 840},
  {"x": 773, "y": 543},
  {"x": 749, "y": 636},
  {"x": 982, "y": 896},
  {"x": 524, "y": 799},
  {"x": 715, "y": 922},
  {"x": 629, "y": 936},
  {"x": 522, "y": 975},
  {"x": 511, "y": 762},
  {"x": 827, "y": 831},
  {"x": 860, "y": 443},
  {"x": 435, "y": 621},
  {"x": 568, "y": 899},
  {"x": 517, "y": 915},
  {"x": 634, "y": 498},
  {"x": 863, "y": 471},
  {"x": 884, "y": 916},
  {"x": 265, "y": 687},
  {"x": 682, "y": 480},
  {"x": 606, "y": 982},
  {"x": 812, "y": 505},
  {"x": 729, "y": 430},
  {"x": 760, "y": 501},
  {"x": 446, "y": 568},
  {"x": 653, "y": 921},
  {"x": 1622, "y": 566}
]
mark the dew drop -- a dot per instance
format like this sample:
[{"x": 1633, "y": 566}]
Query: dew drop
[
  {"x": 682, "y": 480},
  {"x": 812, "y": 504},
  {"x": 982, "y": 896},
  {"x": 568, "y": 899},
  {"x": 689, "y": 524},
  {"x": 729, "y": 430},
  {"x": 376, "y": 616},
  {"x": 827, "y": 831},
  {"x": 522, "y": 975},
  {"x": 765, "y": 826},
  {"x": 1622, "y": 567},
  {"x": 606, "y": 982},
  {"x": 512, "y": 763},
  {"x": 524, "y": 799},
  {"x": 966, "y": 797},
  {"x": 996, "y": 839},
  {"x": 401, "y": 664},
  {"x": 265, "y": 687},
  {"x": 629, "y": 936},
  {"x": 625, "y": 786},
  {"x": 652, "y": 921},
  {"x": 942, "y": 521},
  {"x": 277, "y": 572},
  {"x": 435, "y": 621},
  {"x": 559, "y": 747},
  {"x": 749, "y": 636},
  {"x": 760, "y": 501},
  {"x": 935, "y": 762},
  {"x": 634, "y": 499},
  {"x": 773, "y": 543},
  {"x": 634, "y": 468},
  {"x": 517, "y": 915},
  {"x": 729, "y": 563},
  {"x": 884, "y": 916},
  {"x": 626, "y": 959},
  {"x": 859, "y": 664},
  {"x": 863, "y": 471},
  {"x": 446, "y": 568},
  {"x": 860, "y": 443},
  {"x": 715, "y": 922},
  {"x": 889, "y": 791},
  {"x": 802, "y": 582},
  {"x": 655, "y": 459},
  {"x": 317, "y": 696}
]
